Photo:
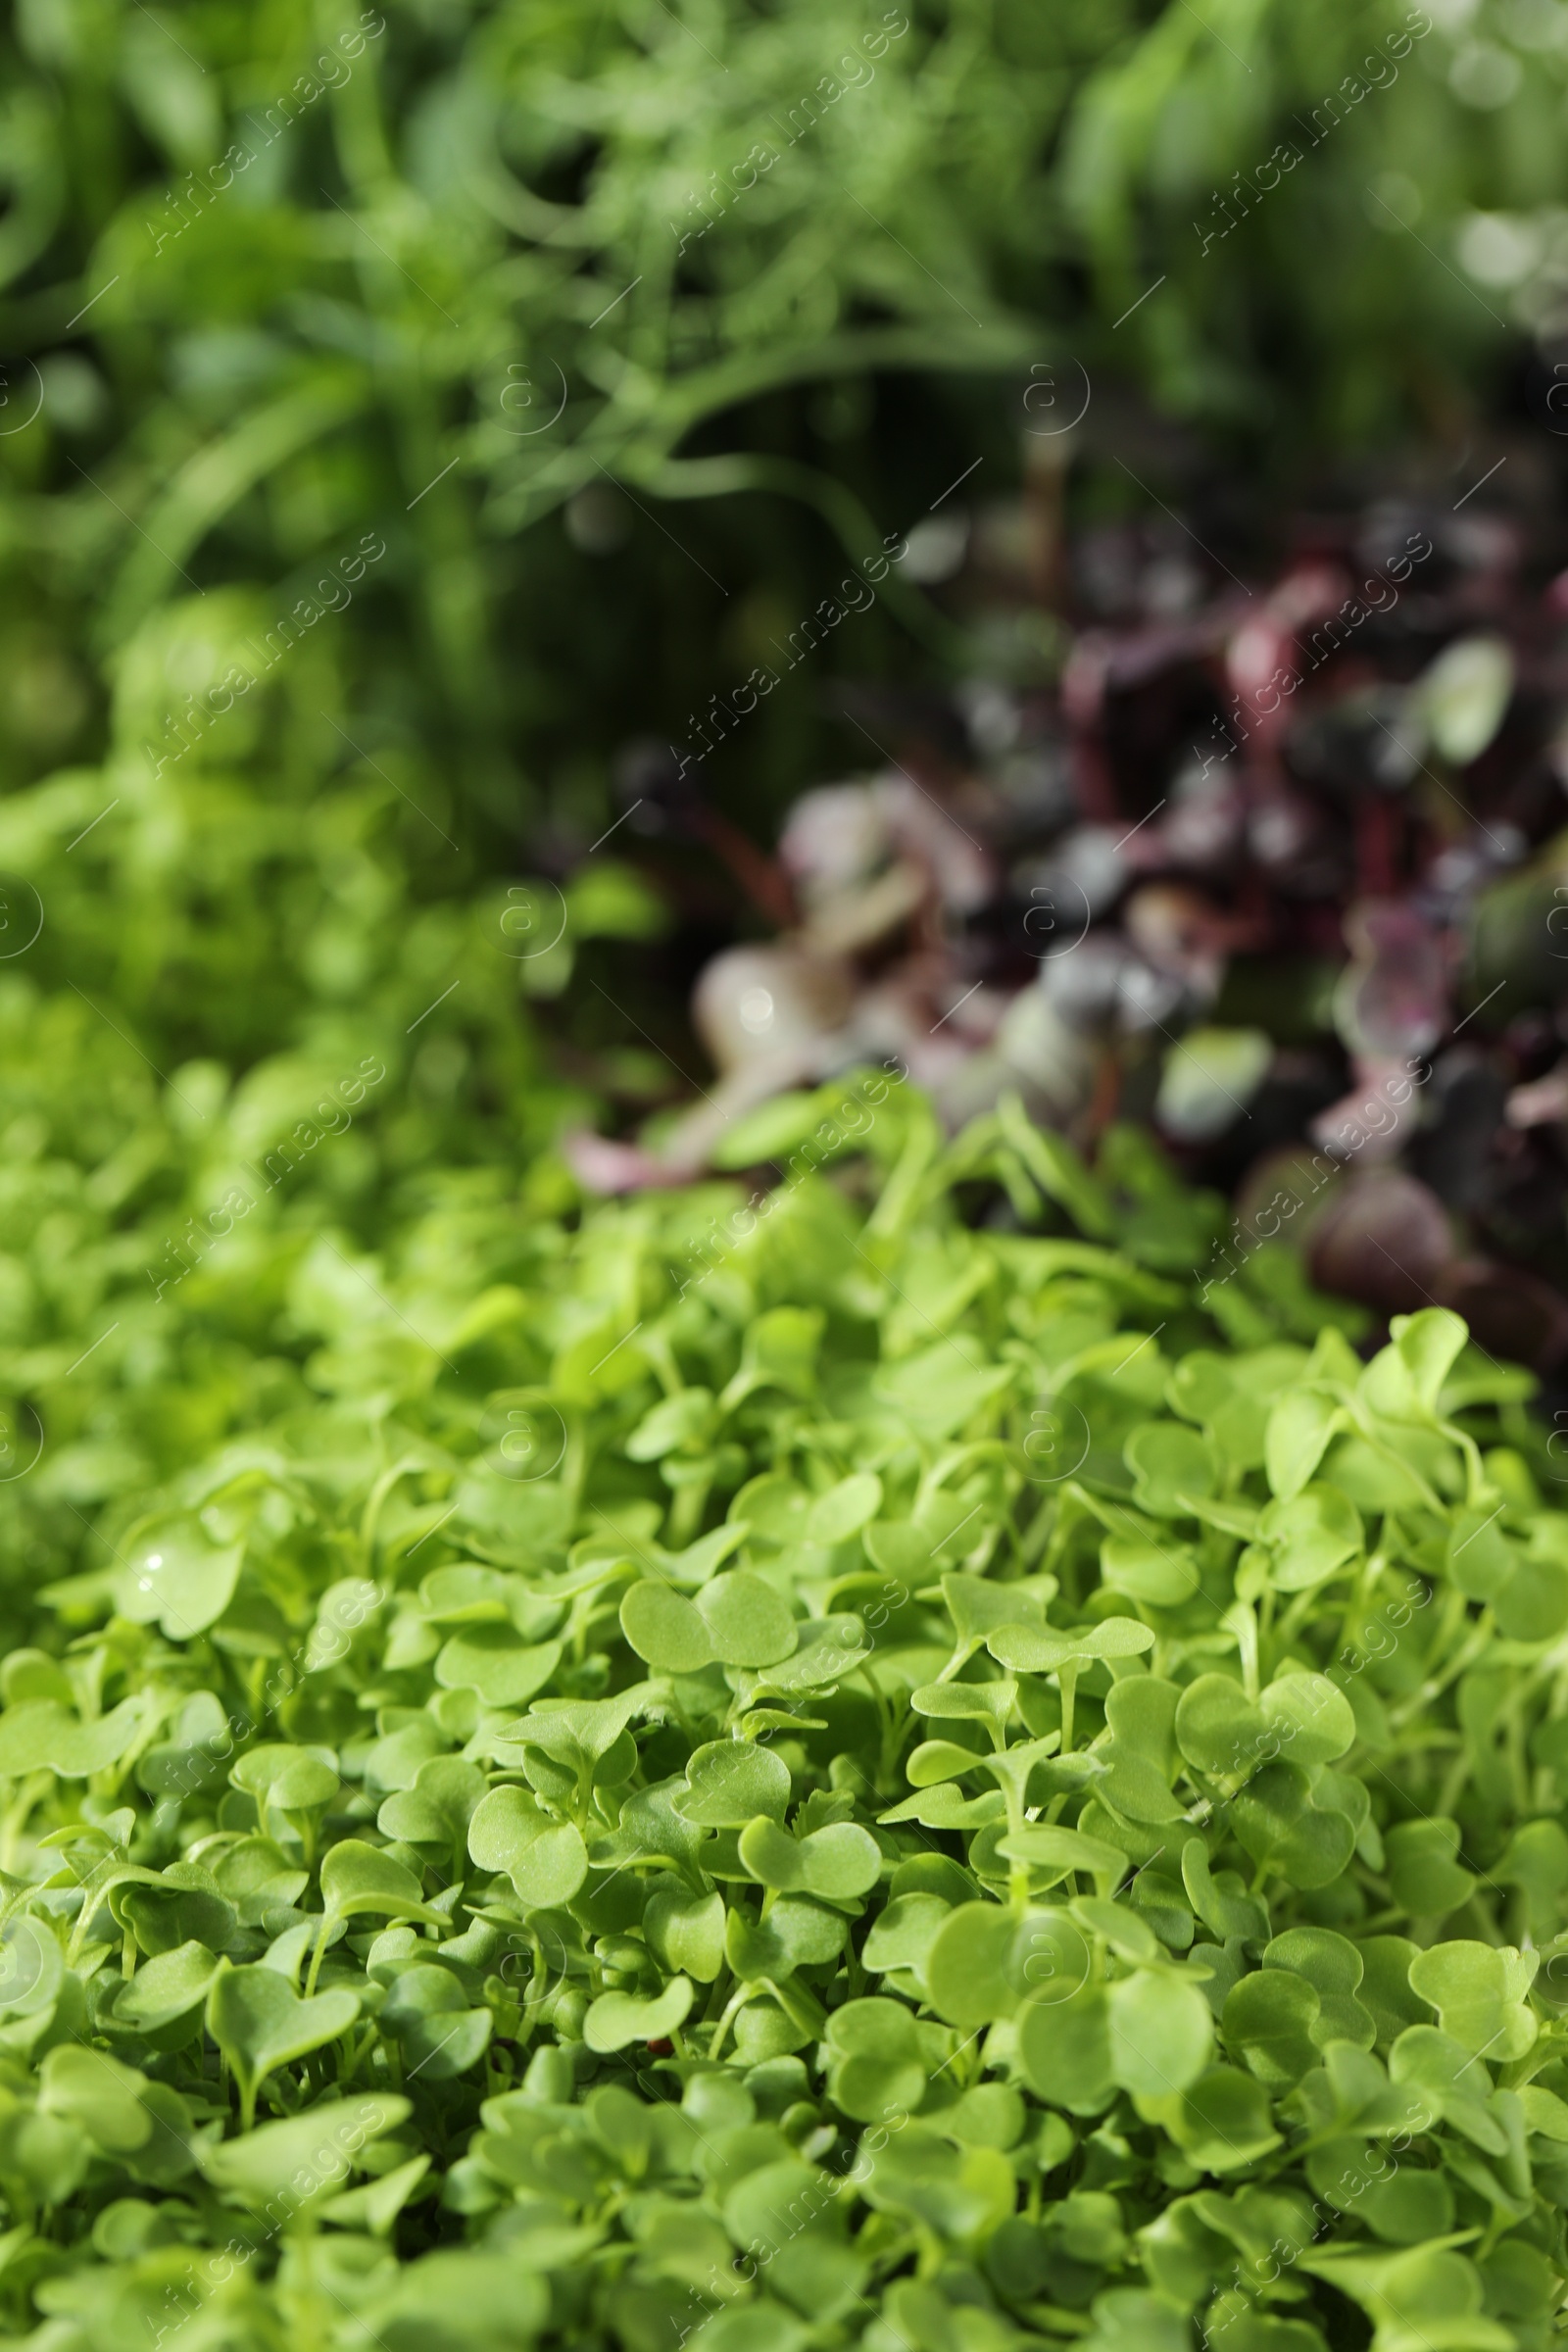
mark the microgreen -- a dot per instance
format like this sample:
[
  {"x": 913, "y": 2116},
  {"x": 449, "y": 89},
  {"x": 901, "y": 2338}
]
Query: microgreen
[{"x": 901, "y": 1893}]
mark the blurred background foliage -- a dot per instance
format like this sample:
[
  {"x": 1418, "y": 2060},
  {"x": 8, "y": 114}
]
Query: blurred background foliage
[{"x": 514, "y": 288}]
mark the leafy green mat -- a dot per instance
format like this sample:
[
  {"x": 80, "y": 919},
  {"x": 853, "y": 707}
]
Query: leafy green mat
[{"x": 796, "y": 1769}]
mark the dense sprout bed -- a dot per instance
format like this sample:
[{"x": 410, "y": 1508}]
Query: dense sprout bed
[{"x": 847, "y": 1765}]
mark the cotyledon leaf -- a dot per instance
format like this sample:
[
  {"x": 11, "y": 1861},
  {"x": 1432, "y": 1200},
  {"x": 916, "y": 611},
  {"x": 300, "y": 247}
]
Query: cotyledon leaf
[
  {"x": 544, "y": 1858},
  {"x": 41, "y": 1734},
  {"x": 303, "y": 2157},
  {"x": 736, "y": 1620},
  {"x": 259, "y": 2023}
]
